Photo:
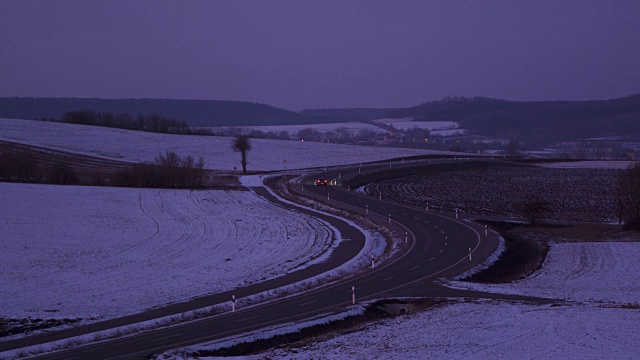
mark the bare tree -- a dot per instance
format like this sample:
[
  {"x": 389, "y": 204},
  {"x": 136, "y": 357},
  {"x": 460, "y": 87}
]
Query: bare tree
[
  {"x": 242, "y": 145},
  {"x": 628, "y": 193},
  {"x": 534, "y": 207}
]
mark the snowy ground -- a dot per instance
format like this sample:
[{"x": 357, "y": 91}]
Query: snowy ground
[
  {"x": 143, "y": 146},
  {"x": 101, "y": 252},
  {"x": 598, "y": 279},
  {"x": 600, "y": 272}
]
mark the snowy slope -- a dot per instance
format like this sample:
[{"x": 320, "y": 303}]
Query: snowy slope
[
  {"x": 142, "y": 146},
  {"x": 91, "y": 251},
  {"x": 603, "y": 272}
]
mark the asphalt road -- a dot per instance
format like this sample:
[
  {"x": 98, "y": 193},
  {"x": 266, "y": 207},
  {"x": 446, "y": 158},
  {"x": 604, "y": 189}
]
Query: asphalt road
[{"x": 436, "y": 245}]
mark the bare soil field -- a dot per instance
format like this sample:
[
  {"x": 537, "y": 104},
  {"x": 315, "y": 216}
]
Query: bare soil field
[{"x": 586, "y": 195}]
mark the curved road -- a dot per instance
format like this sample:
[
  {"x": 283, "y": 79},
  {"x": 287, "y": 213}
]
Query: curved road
[{"x": 435, "y": 246}]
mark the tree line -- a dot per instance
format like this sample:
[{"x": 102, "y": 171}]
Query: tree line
[
  {"x": 150, "y": 123},
  {"x": 168, "y": 170}
]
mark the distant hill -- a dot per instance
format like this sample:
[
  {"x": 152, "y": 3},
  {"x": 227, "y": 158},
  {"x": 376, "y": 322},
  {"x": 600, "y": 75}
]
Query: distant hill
[
  {"x": 194, "y": 112},
  {"x": 538, "y": 123},
  {"x": 352, "y": 114}
]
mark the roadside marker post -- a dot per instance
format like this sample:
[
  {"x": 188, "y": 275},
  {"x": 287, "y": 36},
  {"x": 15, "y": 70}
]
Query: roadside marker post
[
  {"x": 373, "y": 263},
  {"x": 328, "y": 197},
  {"x": 366, "y": 209},
  {"x": 353, "y": 295},
  {"x": 406, "y": 237},
  {"x": 456, "y": 214},
  {"x": 380, "y": 196},
  {"x": 427, "y": 206},
  {"x": 389, "y": 218},
  {"x": 348, "y": 187},
  {"x": 233, "y": 303},
  {"x": 469, "y": 254},
  {"x": 301, "y": 185},
  {"x": 486, "y": 231}
]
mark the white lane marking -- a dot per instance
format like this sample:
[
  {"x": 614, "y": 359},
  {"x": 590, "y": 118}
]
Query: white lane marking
[
  {"x": 307, "y": 303},
  {"x": 435, "y": 226},
  {"x": 426, "y": 222},
  {"x": 441, "y": 251},
  {"x": 431, "y": 259},
  {"x": 413, "y": 268},
  {"x": 417, "y": 218},
  {"x": 390, "y": 277},
  {"x": 249, "y": 318},
  {"x": 446, "y": 237},
  {"x": 166, "y": 337},
  {"x": 442, "y": 231},
  {"x": 405, "y": 214},
  {"x": 445, "y": 244}
]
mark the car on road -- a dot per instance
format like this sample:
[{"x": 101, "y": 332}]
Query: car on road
[{"x": 320, "y": 182}]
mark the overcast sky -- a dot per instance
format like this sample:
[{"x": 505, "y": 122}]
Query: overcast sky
[{"x": 310, "y": 54}]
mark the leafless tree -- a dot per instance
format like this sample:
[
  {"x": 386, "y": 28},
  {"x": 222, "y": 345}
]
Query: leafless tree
[
  {"x": 534, "y": 207},
  {"x": 628, "y": 193},
  {"x": 242, "y": 145}
]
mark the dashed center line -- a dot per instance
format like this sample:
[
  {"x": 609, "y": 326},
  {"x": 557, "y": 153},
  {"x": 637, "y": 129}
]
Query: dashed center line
[
  {"x": 307, "y": 303},
  {"x": 413, "y": 268},
  {"x": 445, "y": 244},
  {"x": 441, "y": 251},
  {"x": 390, "y": 277},
  {"x": 431, "y": 259},
  {"x": 435, "y": 226}
]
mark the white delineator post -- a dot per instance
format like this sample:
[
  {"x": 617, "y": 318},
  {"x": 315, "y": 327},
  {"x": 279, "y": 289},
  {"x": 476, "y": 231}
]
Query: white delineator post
[
  {"x": 373, "y": 263},
  {"x": 456, "y": 214},
  {"x": 327, "y": 196},
  {"x": 302, "y": 186},
  {"x": 406, "y": 237},
  {"x": 353, "y": 295},
  {"x": 469, "y": 254},
  {"x": 233, "y": 303},
  {"x": 427, "y": 206},
  {"x": 486, "y": 231},
  {"x": 366, "y": 209},
  {"x": 380, "y": 196},
  {"x": 389, "y": 218}
]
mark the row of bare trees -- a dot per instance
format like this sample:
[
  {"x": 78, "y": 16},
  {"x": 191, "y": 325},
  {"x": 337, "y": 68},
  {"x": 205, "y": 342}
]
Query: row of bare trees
[
  {"x": 628, "y": 197},
  {"x": 168, "y": 170},
  {"x": 151, "y": 123}
]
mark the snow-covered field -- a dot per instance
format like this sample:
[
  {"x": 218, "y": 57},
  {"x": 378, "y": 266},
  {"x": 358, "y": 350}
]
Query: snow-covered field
[
  {"x": 604, "y": 275},
  {"x": 352, "y": 127},
  {"x": 137, "y": 146},
  {"x": 601, "y": 272},
  {"x": 101, "y": 252}
]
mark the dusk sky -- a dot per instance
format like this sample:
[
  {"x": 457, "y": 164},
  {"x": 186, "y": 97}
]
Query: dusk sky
[{"x": 316, "y": 54}]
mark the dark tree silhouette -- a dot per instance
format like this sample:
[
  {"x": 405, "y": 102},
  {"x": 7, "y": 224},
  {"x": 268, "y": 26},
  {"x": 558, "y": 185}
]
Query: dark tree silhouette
[
  {"x": 242, "y": 145},
  {"x": 532, "y": 208},
  {"x": 628, "y": 193}
]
